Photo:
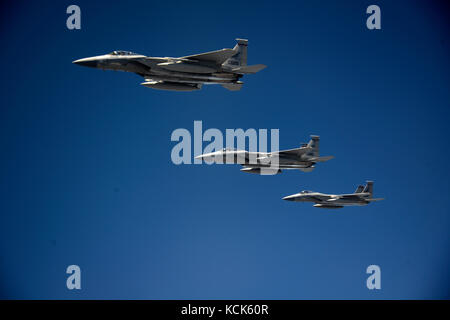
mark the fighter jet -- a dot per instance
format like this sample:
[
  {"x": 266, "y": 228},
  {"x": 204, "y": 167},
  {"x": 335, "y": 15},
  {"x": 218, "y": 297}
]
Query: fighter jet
[
  {"x": 303, "y": 158},
  {"x": 225, "y": 67},
  {"x": 361, "y": 197}
]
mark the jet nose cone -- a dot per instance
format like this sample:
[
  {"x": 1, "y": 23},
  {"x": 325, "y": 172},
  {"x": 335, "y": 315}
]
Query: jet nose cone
[
  {"x": 290, "y": 198},
  {"x": 207, "y": 156},
  {"x": 86, "y": 62},
  {"x": 202, "y": 157}
]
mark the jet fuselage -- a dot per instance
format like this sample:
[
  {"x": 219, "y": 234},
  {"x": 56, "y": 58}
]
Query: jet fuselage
[
  {"x": 163, "y": 69},
  {"x": 225, "y": 67},
  {"x": 361, "y": 197},
  {"x": 255, "y": 159},
  {"x": 328, "y": 199}
]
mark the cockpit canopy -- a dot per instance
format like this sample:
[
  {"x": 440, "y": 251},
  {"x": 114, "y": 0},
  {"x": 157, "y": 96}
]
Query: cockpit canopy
[
  {"x": 122, "y": 53},
  {"x": 306, "y": 191}
]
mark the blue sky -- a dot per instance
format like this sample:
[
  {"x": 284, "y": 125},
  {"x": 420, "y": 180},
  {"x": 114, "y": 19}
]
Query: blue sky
[{"x": 86, "y": 175}]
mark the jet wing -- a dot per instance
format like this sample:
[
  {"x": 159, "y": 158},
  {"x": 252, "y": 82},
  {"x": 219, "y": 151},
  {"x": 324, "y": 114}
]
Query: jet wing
[
  {"x": 292, "y": 152},
  {"x": 217, "y": 57},
  {"x": 320, "y": 199}
]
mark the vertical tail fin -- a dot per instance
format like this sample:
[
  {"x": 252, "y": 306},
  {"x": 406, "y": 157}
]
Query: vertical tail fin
[
  {"x": 314, "y": 144},
  {"x": 240, "y": 58},
  {"x": 359, "y": 189},
  {"x": 369, "y": 188}
]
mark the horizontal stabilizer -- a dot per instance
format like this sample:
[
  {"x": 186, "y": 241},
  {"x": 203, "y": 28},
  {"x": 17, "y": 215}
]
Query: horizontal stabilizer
[
  {"x": 375, "y": 199},
  {"x": 233, "y": 86},
  {"x": 249, "y": 69},
  {"x": 321, "y": 159}
]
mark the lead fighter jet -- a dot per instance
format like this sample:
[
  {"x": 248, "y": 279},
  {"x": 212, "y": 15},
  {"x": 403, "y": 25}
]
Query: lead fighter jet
[
  {"x": 225, "y": 67},
  {"x": 303, "y": 158},
  {"x": 362, "y": 196}
]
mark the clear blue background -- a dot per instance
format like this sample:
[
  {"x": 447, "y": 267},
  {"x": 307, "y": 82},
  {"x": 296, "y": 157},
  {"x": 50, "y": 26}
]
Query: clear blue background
[{"x": 86, "y": 176}]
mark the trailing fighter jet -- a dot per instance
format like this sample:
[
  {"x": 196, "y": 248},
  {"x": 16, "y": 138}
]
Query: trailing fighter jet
[
  {"x": 303, "y": 158},
  {"x": 225, "y": 67},
  {"x": 361, "y": 197}
]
